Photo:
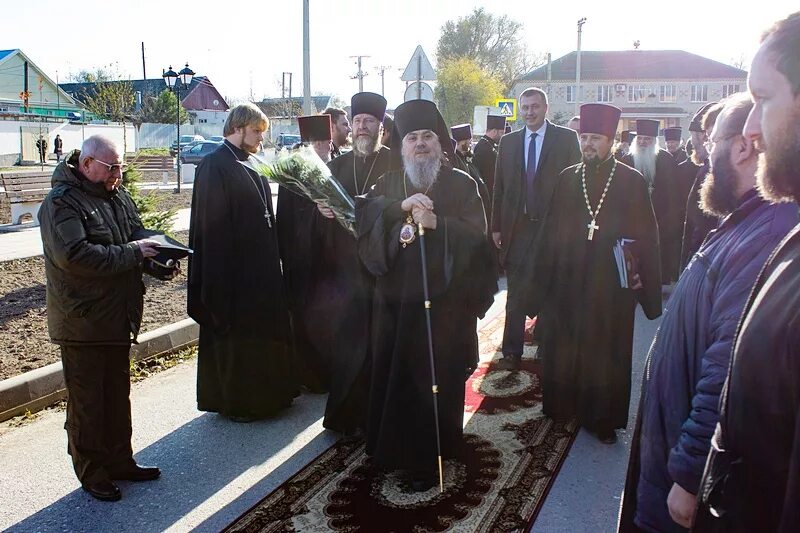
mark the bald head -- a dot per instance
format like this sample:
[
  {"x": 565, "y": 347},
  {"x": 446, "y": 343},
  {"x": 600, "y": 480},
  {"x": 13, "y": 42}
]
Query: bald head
[
  {"x": 99, "y": 147},
  {"x": 101, "y": 161}
]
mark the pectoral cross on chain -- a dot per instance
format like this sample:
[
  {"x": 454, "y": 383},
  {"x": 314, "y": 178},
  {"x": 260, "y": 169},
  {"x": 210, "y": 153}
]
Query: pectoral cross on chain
[{"x": 592, "y": 227}]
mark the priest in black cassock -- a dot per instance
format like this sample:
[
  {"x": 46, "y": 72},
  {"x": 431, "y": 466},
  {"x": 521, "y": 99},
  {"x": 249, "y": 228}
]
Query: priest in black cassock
[
  {"x": 464, "y": 160},
  {"x": 340, "y": 299},
  {"x": 658, "y": 168},
  {"x": 295, "y": 218},
  {"x": 486, "y": 149},
  {"x": 236, "y": 292},
  {"x": 587, "y": 370},
  {"x": 424, "y": 189}
]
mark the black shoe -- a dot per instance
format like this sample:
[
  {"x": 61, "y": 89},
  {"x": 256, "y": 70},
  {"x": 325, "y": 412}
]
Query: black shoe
[
  {"x": 607, "y": 436},
  {"x": 103, "y": 490},
  {"x": 509, "y": 362},
  {"x": 136, "y": 473}
]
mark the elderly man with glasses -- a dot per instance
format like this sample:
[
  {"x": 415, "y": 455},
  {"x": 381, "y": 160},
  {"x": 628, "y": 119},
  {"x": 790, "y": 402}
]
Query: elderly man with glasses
[{"x": 94, "y": 309}]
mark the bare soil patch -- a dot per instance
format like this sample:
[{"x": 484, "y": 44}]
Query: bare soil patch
[{"x": 24, "y": 341}]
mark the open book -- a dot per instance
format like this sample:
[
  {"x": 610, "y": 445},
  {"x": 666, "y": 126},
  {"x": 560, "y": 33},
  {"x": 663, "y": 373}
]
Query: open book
[{"x": 627, "y": 261}]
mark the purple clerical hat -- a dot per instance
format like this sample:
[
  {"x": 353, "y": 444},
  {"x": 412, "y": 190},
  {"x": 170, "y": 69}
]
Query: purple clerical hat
[
  {"x": 315, "y": 128},
  {"x": 601, "y": 119},
  {"x": 647, "y": 127}
]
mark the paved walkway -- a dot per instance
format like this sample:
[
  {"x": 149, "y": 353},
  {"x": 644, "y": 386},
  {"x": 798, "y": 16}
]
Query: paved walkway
[
  {"x": 213, "y": 469},
  {"x": 28, "y": 242}
]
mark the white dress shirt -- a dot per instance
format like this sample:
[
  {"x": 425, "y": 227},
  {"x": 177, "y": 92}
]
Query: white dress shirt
[{"x": 539, "y": 140}]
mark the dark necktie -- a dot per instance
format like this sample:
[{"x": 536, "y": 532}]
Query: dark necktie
[{"x": 530, "y": 175}]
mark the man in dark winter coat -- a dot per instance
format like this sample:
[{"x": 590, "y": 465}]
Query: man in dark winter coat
[
  {"x": 752, "y": 478},
  {"x": 95, "y": 298},
  {"x": 689, "y": 359}
]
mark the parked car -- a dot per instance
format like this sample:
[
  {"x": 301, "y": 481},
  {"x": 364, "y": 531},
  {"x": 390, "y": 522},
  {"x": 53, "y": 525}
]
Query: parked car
[
  {"x": 186, "y": 140},
  {"x": 217, "y": 138},
  {"x": 286, "y": 140},
  {"x": 194, "y": 154}
]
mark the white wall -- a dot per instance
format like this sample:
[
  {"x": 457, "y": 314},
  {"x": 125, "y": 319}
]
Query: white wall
[{"x": 72, "y": 134}]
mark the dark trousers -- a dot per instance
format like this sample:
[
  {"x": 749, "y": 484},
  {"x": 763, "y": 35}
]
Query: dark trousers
[
  {"x": 518, "y": 266},
  {"x": 98, "y": 409}
]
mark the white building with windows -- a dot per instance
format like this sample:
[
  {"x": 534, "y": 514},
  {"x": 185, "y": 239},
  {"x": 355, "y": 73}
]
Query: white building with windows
[{"x": 665, "y": 85}]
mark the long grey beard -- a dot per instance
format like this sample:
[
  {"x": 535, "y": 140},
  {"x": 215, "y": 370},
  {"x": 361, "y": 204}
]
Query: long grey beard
[
  {"x": 365, "y": 146},
  {"x": 644, "y": 160},
  {"x": 422, "y": 174}
]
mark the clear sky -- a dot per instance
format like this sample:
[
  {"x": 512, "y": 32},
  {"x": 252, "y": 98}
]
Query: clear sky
[{"x": 243, "y": 47}]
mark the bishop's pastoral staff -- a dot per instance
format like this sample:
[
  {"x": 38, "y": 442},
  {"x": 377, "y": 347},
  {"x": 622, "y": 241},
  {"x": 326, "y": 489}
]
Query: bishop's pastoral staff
[
  {"x": 422, "y": 189},
  {"x": 598, "y": 205}
]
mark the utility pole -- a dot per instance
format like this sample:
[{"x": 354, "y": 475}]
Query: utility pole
[
  {"x": 144, "y": 69},
  {"x": 360, "y": 74},
  {"x": 287, "y": 96},
  {"x": 307, "y": 109},
  {"x": 581, "y": 22},
  {"x": 382, "y": 70}
]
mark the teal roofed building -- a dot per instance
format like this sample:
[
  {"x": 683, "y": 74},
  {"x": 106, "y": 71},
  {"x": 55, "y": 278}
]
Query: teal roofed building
[{"x": 27, "y": 90}]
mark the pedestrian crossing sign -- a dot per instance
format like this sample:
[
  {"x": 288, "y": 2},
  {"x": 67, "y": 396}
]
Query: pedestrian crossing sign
[{"x": 508, "y": 108}]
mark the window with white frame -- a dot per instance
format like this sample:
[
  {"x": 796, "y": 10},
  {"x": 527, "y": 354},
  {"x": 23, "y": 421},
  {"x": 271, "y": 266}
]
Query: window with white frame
[
  {"x": 571, "y": 94},
  {"x": 699, "y": 93},
  {"x": 668, "y": 94},
  {"x": 637, "y": 93},
  {"x": 729, "y": 89},
  {"x": 605, "y": 93}
]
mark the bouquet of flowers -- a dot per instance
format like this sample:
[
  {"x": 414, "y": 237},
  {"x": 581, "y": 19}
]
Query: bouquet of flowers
[{"x": 304, "y": 173}]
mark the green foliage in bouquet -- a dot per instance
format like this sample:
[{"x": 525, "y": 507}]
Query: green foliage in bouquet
[
  {"x": 303, "y": 172},
  {"x": 147, "y": 204}
]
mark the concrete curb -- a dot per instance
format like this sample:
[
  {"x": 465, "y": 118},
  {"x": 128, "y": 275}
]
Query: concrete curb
[{"x": 37, "y": 389}]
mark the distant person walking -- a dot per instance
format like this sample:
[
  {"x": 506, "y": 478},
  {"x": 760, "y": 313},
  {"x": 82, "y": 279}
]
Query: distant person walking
[
  {"x": 41, "y": 147},
  {"x": 58, "y": 148}
]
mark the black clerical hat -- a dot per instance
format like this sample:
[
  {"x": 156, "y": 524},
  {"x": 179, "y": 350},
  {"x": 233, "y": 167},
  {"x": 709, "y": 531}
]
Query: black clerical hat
[
  {"x": 417, "y": 115},
  {"x": 315, "y": 128},
  {"x": 647, "y": 127},
  {"x": 461, "y": 132},
  {"x": 697, "y": 119},
  {"x": 627, "y": 136},
  {"x": 601, "y": 119},
  {"x": 495, "y": 122},
  {"x": 369, "y": 103},
  {"x": 672, "y": 134}
]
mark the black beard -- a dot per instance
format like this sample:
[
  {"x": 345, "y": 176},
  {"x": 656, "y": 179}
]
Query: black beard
[
  {"x": 778, "y": 174},
  {"x": 718, "y": 191}
]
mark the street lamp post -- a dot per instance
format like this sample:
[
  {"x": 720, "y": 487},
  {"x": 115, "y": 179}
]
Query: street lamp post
[{"x": 176, "y": 82}]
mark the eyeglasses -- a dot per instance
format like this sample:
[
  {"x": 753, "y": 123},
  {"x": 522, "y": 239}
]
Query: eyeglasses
[
  {"x": 122, "y": 167},
  {"x": 711, "y": 143}
]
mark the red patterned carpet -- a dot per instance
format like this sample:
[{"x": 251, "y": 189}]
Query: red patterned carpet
[{"x": 512, "y": 455}]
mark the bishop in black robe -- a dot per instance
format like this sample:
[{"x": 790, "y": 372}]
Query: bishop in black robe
[
  {"x": 588, "y": 348},
  {"x": 400, "y": 429},
  {"x": 236, "y": 291}
]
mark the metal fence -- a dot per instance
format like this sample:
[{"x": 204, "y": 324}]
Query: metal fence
[{"x": 163, "y": 135}]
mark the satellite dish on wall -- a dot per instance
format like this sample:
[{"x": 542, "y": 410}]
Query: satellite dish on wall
[{"x": 216, "y": 103}]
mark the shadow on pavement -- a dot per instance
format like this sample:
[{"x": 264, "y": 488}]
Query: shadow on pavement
[{"x": 197, "y": 460}]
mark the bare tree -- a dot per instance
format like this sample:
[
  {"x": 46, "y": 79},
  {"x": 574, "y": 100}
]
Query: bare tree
[{"x": 495, "y": 43}]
